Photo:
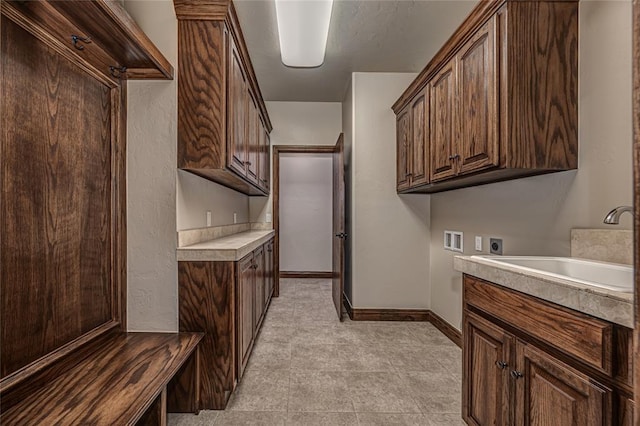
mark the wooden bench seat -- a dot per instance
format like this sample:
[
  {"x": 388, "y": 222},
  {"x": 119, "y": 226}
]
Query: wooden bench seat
[{"x": 119, "y": 379}]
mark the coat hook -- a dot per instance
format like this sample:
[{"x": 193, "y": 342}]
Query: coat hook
[
  {"x": 117, "y": 72},
  {"x": 75, "y": 39}
]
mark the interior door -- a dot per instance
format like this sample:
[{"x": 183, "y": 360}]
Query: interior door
[{"x": 339, "y": 234}]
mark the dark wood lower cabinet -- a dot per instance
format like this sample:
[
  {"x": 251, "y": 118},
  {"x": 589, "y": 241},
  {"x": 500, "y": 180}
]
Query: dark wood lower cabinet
[
  {"x": 517, "y": 372},
  {"x": 549, "y": 392},
  {"x": 487, "y": 360},
  {"x": 221, "y": 299}
]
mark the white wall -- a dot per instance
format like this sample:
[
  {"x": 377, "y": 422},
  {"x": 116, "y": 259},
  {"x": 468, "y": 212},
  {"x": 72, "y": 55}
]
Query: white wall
[
  {"x": 535, "y": 215},
  {"x": 306, "y": 212},
  {"x": 155, "y": 190},
  {"x": 196, "y": 196},
  {"x": 389, "y": 233},
  {"x": 298, "y": 123}
]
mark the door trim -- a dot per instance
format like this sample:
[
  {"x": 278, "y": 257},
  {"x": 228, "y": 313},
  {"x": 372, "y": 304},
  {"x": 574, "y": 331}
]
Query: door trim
[
  {"x": 636, "y": 199},
  {"x": 277, "y": 150}
]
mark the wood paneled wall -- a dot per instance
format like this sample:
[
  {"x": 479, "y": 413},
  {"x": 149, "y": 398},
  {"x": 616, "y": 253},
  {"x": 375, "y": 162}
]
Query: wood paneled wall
[{"x": 62, "y": 221}]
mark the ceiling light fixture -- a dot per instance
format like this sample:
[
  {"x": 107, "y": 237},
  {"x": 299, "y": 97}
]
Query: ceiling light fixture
[{"x": 303, "y": 28}]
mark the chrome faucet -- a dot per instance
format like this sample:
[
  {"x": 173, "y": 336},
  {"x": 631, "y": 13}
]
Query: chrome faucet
[{"x": 613, "y": 217}]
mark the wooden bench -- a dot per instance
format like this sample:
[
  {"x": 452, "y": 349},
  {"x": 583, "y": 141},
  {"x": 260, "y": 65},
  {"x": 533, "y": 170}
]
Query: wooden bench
[{"x": 117, "y": 379}]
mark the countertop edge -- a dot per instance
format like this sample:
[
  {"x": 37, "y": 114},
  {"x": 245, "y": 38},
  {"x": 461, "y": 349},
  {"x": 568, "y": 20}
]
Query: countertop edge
[
  {"x": 204, "y": 254},
  {"x": 600, "y": 305}
]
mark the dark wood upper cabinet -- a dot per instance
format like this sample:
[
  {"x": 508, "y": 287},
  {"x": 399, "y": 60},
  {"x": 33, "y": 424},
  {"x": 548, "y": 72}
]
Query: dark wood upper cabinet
[
  {"x": 443, "y": 135},
  {"x": 259, "y": 279},
  {"x": 221, "y": 113},
  {"x": 503, "y": 97},
  {"x": 403, "y": 129},
  {"x": 477, "y": 144},
  {"x": 419, "y": 146}
]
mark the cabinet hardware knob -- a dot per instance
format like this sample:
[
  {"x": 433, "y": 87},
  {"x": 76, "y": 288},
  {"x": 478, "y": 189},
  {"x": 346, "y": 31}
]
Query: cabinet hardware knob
[
  {"x": 341, "y": 235},
  {"x": 408, "y": 175},
  {"x": 516, "y": 374},
  {"x": 117, "y": 72},
  {"x": 75, "y": 39},
  {"x": 248, "y": 163},
  {"x": 501, "y": 365}
]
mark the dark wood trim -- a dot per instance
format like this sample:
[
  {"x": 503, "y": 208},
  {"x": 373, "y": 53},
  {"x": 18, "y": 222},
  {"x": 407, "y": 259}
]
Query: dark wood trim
[
  {"x": 636, "y": 194},
  {"x": 445, "y": 328},
  {"x": 289, "y": 149},
  {"x": 306, "y": 274},
  {"x": 425, "y": 315}
]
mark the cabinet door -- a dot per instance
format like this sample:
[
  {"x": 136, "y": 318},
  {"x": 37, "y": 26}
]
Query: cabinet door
[
  {"x": 403, "y": 135},
  {"x": 443, "y": 123},
  {"x": 253, "y": 141},
  {"x": 478, "y": 101},
  {"x": 419, "y": 145},
  {"x": 267, "y": 163},
  {"x": 259, "y": 277},
  {"x": 263, "y": 158},
  {"x": 486, "y": 365},
  {"x": 269, "y": 269},
  {"x": 245, "y": 301},
  {"x": 237, "y": 117},
  {"x": 549, "y": 392}
]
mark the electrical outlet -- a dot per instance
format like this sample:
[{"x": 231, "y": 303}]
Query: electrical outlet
[
  {"x": 478, "y": 243},
  {"x": 269, "y": 218},
  {"x": 453, "y": 240},
  {"x": 235, "y": 217},
  {"x": 495, "y": 246},
  {"x": 208, "y": 217}
]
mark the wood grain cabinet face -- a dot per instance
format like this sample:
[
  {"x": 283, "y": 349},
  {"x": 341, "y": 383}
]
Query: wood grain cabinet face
[
  {"x": 419, "y": 141},
  {"x": 552, "y": 393},
  {"x": 238, "y": 107},
  {"x": 443, "y": 123},
  {"x": 513, "y": 377},
  {"x": 486, "y": 364},
  {"x": 259, "y": 277},
  {"x": 403, "y": 137},
  {"x": 221, "y": 113},
  {"x": 502, "y": 99},
  {"x": 477, "y": 145},
  {"x": 246, "y": 298},
  {"x": 269, "y": 270}
]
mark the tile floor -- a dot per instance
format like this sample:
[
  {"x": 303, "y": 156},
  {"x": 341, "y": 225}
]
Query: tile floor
[{"x": 309, "y": 369}]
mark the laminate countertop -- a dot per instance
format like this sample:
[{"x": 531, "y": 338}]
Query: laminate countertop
[
  {"x": 226, "y": 249},
  {"x": 609, "y": 305}
]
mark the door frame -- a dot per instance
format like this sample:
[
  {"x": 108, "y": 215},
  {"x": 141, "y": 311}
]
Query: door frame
[
  {"x": 277, "y": 150},
  {"x": 636, "y": 201}
]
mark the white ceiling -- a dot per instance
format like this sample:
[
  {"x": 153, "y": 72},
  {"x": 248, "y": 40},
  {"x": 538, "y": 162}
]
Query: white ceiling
[{"x": 364, "y": 35}]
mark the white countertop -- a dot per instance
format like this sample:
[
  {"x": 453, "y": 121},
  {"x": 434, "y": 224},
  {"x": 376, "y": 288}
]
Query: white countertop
[
  {"x": 230, "y": 248},
  {"x": 613, "y": 306}
]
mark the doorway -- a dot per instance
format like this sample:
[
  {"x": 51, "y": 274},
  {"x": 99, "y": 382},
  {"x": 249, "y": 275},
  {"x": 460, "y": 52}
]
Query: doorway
[{"x": 309, "y": 218}]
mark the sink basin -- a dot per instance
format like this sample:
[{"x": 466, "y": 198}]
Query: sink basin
[{"x": 608, "y": 276}]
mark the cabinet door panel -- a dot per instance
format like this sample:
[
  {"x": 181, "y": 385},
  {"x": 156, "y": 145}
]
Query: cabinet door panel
[
  {"x": 478, "y": 101},
  {"x": 419, "y": 146},
  {"x": 443, "y": 123},
  {"x": 487, "y": 359},
  {"x": 253, "y": 141},
  {"x": 259, "y": 277},
  {"x": 403, "y": 134},
  {"x": 552, "y": 393},
  {"x": 237, "y": 150},
  {"x": 245, "y": 308},
  {"x": 268, "y": 273}
]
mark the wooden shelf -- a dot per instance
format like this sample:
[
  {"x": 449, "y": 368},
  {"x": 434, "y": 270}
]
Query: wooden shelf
[{"x": 115, "y": 39}]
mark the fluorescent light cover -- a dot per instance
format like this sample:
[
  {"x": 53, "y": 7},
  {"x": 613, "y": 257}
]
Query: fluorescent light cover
[{"x": 303, "y": 27}]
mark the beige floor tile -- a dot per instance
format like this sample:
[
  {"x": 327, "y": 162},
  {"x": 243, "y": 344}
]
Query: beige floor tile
[
  {"x": 204, "y": 418},
  {"x": 322, "y": 419},
  {"x": 270, "y": 356},
  {"x": 261, "y": 390},
  {"x": 251, "y": 418},
  {"x": 444, "y": 420},
  {"x": 380, "y": 392},
  {"x": 319, "y": 391},
  {"x": 391, "y": 419},
  {"x": 338, "y": 358}
]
